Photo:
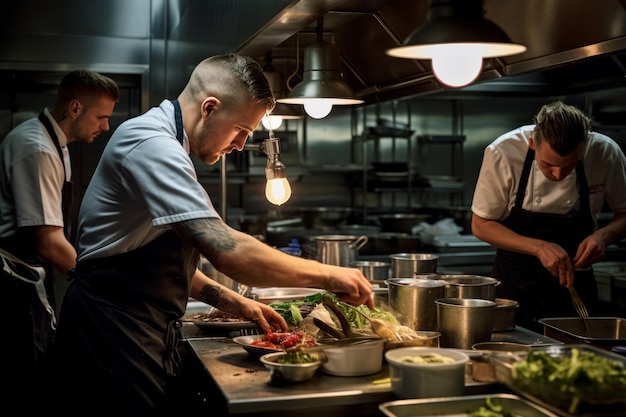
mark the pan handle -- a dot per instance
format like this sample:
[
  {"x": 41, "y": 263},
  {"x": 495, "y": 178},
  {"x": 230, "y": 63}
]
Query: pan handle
[{"x": 359, "y": 243}]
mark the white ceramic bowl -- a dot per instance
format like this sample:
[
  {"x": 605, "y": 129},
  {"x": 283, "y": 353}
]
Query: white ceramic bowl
[
  {"x": 415, "y": 380},
  {"x": 354, "y": 360},
  {"x": 282, "y": 373}
]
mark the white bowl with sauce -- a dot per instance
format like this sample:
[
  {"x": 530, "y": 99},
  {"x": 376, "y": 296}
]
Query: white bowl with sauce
[{"x": 424, "y": 372}]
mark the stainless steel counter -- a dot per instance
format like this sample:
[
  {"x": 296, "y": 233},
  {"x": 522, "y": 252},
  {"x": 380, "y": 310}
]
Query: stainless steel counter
[{"x": 244, "y": 382}]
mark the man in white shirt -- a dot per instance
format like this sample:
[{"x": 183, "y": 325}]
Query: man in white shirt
[
  {"x": 35, "y": 176},
  {"x": 537, "y": 200}
]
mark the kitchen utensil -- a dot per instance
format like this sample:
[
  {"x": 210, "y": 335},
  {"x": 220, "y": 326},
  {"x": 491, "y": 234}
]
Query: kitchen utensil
[
  {"x": 460, "y": 406},
  {"x": 560, "y": 392},
  {"x": 346, "y": 327},
  {"x": 380, "y": 297},
  {"x": 330, "y": 330},
  {"x": 423, "y": 339},
  {"x": 324, "y": 344},
  {"x": 412, "y": 301},
  {"x": 504, "y": 315},
  {"x": 362, "y": 229},
  {"x": 406, "y": 265},
  {"x": 373, "y": 270},
  {"x": 282, "y": 294},
  {"x": 500, "y": 347},
  {"x": 382, "y": 328},
  {"x": 602, "y": 332},
  {"x": 354, "y": 359},
  {"x": 253, "y": 350},
  {"x": 421, "y": 380},
  {"x": 470, "y": 286},
  {"x": 338, "y": 249},
  {"x": 464, "y": 321},
  {"x": 578, "y": 303},
  {"x": 282, "y": 373}
]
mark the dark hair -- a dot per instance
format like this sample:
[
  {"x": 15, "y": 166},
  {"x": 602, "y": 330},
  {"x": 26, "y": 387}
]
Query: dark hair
[
  {"x": 564, "y": 127},
  {"x": 85, "y": 82},
  {"x": 245, "y": 69}
]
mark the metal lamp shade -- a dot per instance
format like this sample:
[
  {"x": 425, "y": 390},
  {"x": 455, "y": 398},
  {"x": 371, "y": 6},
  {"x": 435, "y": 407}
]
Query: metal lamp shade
[
  {"x": 322, "y": 78},
  {"x": 456, "y": 22}
]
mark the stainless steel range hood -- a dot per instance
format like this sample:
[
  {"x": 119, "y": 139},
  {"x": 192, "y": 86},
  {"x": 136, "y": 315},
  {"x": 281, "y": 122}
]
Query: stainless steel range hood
[{"x": 573, "y": 46}]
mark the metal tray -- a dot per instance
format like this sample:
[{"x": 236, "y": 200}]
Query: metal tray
[
  {"x": 559, "y": 398},
  {"x": 460, "y": 406},
  {"x": 593, "y": 330}
]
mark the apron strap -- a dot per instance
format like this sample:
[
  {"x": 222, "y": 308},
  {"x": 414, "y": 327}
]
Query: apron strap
[
  {"x": 8, "y": 266},
  {"x": 178, "y": 117},
  {"x": 67, "y": 188},
  {"x": 523, "y": 181},
  {"x": 44, "y": 120}
]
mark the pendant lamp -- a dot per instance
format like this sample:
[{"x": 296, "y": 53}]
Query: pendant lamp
[
  {"x": 322, "y": 86},
  {"x": 456, "y": 38},
  {"x": 282, "y": 111}
]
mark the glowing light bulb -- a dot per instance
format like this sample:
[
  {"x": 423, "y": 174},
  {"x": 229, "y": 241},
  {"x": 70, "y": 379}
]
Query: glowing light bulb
[
  {"x": 271, "y": 122},
  {"x": 277, "y": 191},
  {"x": 318, "y": 108},
  {"x": 457, "y": 65}
]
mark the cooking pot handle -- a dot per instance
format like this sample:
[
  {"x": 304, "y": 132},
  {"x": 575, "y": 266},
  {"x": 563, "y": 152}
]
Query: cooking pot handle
[{"x": 359, "y": 243}]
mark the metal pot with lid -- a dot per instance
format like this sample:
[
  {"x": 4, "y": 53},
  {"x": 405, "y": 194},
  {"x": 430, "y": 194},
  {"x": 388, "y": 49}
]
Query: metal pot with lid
[{"x": 338, "y": 249}]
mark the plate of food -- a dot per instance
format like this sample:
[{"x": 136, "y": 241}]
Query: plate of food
[
  {"x": 274, "y": 342},
  {"x": 218, "y": 319}
]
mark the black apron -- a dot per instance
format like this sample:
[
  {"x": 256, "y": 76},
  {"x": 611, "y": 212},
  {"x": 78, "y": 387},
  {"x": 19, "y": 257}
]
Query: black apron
[
  {"x": 27, "y": 303},
  {"x": 126, "y": 307},
  {"x": 523, "y": 277}
]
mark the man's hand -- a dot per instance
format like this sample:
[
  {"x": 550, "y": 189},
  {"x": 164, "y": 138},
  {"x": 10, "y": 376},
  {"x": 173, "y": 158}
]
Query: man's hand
[
  {"x": 590, "y": 251},
  {"x": 263, "y": 315},
  {"x": 556, "y": 260}
]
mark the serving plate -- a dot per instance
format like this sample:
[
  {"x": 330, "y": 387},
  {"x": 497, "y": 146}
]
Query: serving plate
[
  {"x": 245, "y": 342},
  {"x": 226, "y": 324},
  {"x": 460, "y": 406},
  {"x": 282, "y": 294}
]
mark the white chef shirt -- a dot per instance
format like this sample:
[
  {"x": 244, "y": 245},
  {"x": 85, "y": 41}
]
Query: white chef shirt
[
  {"x": 145, "y": 181},
  {"x": 31, "y": 177},
  {"x": 501, "y": 170}
]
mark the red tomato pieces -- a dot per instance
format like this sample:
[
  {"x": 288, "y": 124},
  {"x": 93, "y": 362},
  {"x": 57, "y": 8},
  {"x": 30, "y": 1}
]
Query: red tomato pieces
[{"x": 282, "y": 341}]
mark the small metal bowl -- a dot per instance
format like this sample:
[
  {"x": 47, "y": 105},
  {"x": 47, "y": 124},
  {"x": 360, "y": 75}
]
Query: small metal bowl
[
  {"x": 285, "y": 373},
  {"x": 500, "y": 347}
]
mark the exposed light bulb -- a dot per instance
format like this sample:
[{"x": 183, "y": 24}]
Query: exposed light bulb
[
  {"x": 318, "y": 108},
  {"x": 277, "y": 191},
  {"x": 457, "y": 65},
  {"x": 272, "y": 122}
]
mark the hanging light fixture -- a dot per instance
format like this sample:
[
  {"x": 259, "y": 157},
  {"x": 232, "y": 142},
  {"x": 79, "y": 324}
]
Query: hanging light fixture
[
  {"x": 282, "y": 111},
  {"x": 456, "y": 37},
  {"x": 322, "y": 86}
]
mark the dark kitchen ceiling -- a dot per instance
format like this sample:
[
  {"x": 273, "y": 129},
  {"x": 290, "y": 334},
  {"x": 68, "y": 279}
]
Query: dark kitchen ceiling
[{"x": 573, "y": 45}]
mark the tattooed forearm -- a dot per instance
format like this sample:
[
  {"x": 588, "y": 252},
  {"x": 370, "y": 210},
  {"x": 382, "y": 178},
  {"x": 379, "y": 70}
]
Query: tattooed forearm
[
  {"x": 208, "y": 235},
  {"x": 212, "y": 294}
]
